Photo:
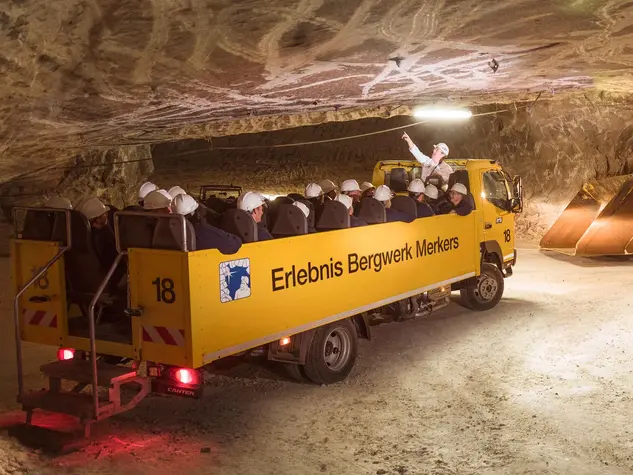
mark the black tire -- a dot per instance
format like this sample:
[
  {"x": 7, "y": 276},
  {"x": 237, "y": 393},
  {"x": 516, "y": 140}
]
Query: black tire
[
  {"x": 295, "y": 372},
  {"x": 489, "y": 289},
  {"x": 332, "y": 353}
]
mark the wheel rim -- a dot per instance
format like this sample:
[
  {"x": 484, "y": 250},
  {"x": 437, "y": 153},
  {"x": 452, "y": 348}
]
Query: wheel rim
[
  {"x": 336, "y": 349},
  {"x": 487, "y": 287}
]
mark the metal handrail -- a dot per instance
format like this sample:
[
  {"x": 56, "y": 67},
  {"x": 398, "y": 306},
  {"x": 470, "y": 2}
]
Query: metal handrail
[
  {"x": 36, "y": 277},
  {"x": 104, "y": 283},
  {"x": 147, "y": 214},
  {"x": 93, "y": 337}
]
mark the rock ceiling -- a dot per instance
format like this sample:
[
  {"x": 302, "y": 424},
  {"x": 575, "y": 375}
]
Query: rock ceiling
[{"x": 79, "y": 73}]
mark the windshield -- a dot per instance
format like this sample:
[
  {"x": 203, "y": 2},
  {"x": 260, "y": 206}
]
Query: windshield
[{"x": 496, "y": 189}]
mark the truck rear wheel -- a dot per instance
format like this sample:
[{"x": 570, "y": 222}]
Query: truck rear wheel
[
  {"x": 488, "y": 291},
  {"x": 332, "y": 353}
]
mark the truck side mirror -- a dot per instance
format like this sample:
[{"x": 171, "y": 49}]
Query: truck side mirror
[{"x": 517, "y": 199}]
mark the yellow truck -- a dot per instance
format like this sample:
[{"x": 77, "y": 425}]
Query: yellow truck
[{"x": 303, "y": 301}]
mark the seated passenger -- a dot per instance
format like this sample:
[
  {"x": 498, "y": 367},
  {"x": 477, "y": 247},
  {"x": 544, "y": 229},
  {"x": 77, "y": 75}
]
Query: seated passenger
[
  {"x": 207, "y": 236},
  {"x": 58, "y": 202},
  {"x": 431, "y": 194},
  {"x": 306, "y": 212},
  {"x": 314, "y": 194},
  {"x": 383, "y": 194},
  {"x": 349, "y": 204},
  {"x": 103, "y": 241},
  {"x": 351, "y": 189},
  {"x": 143, "y": 191},
  {"x": 175, "y": 191},
  {"x": 367, "y": 190},
  {"x": 158, "y": 201},
  {"x": 458, "y": 201},
  {"x": 416, "y": 193},
  {"x": 329, "y": 189},
  {"x": 253, "y": 204}
]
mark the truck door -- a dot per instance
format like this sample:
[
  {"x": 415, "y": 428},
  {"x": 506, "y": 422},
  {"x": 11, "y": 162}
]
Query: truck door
[{"x": 498, "y": 218}]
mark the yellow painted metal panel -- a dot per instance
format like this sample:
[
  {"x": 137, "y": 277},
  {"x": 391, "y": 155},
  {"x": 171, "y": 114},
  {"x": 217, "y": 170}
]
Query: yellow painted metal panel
[
  {"x": 159, "y": 284},
  {"x": 286, "y": 286},
  {"x": 41, "y": 322}
]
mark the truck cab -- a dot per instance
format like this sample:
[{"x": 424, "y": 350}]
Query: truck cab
[{"x": 494, "y": 192}]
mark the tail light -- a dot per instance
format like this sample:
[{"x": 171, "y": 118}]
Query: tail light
[
  {"x": 186, "y": 376},
  {"x": 65, "y": 354}
]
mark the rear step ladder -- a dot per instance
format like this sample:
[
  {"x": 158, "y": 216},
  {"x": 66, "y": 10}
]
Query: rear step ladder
[
  {"x": 88, "y": 408},
  {"x": 81, "y": 405}
]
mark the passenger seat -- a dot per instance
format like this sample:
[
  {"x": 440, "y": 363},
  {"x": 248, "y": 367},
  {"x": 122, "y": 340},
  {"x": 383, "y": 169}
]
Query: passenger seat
[
  {"x": 290, "y": 221},
  {"x": 240, "y": 223},
  {"x": 405, "y": 205},
  {"x": 334, "y": 215},
  {"x": 372, "y": 211},
  {"x": 168, "y": 235}
]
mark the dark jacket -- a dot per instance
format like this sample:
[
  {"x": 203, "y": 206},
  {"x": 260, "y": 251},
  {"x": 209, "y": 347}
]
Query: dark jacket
[
  {"x": 395, "y": 215},
  {"x": 464, "y": 208},
  {"x": 355, "y": 222},
  {"x": 424, "y": 210},
  {"x": 262, "y": 233},
  {"x": 210, "y": 237},
  {"x": 104, "y": 245}
]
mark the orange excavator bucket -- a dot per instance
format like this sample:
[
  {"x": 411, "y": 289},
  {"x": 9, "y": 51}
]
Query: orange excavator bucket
[{"x": 598, "y": 221}]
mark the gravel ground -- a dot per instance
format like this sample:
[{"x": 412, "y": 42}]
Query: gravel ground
[{"x": 541, "y": 384}]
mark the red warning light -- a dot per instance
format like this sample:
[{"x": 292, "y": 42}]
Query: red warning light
[
  {"x": 185, "y": 376},
  {"x": 65, "y": 354}
]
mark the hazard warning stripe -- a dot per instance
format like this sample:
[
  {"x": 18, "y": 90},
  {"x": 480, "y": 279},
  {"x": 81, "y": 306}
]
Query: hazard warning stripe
[
  {"x": 163, "y": 335},
  {"x": 40, "y": 318}
]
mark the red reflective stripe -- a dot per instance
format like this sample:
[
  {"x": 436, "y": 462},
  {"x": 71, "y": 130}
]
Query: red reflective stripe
[
  {"x": 37, "y": 317},
  {"x": 53, "y": 323},
  {"x": 146, "y": 335},
  {"x": 166, "y": 336}
]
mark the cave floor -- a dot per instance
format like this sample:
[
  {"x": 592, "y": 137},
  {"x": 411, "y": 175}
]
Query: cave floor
[{"x": 541, "y": 384}]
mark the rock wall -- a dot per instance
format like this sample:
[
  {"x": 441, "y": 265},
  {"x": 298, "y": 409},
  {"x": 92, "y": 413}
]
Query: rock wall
[
  {"x": 554, "y": 145},
  {"x": 112, "y": 175}
]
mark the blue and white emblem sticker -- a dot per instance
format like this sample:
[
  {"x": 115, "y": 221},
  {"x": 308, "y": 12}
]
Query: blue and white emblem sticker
[{"x": 235, "y": 280}]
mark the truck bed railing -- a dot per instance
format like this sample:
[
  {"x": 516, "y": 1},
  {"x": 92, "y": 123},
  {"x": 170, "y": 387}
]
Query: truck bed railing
[{"x": 35, "y": 278}]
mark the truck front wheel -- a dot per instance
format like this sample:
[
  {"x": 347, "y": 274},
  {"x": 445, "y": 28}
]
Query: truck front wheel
[
  {"x": 332, "y": 353},
  {"x": 488, "y": 291}
]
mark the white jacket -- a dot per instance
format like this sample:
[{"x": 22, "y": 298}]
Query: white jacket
[{"x": 429, "y": 166}]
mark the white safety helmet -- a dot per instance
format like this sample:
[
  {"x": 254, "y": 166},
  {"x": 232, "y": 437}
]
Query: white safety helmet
[
  {"x": 443, "y": 148},
  {"x": 459, "y": 188},
  {"x": 327, "y": 186},
  {"x": 157, "y": 199},
  {"x": 145, "y": 189},
  {"x": 383, "y": 193},
  {"x": 302, "y": 207},
  {"x": 175, "y": 191},
  {"x": 346, "y": 200},
  {"x": 92, "y": 208},
  {"x": 416, "y": 186},
  {"x": 249, "y": 201},
  {"x": 184, "y": 204},
  {"x": 58, "y": 202},
  {"x": 349, "y": 185},
  {"x": 430, "y": 190},
  {"x": 313, "y": 190},
  {"x": 366, "y": 186}
]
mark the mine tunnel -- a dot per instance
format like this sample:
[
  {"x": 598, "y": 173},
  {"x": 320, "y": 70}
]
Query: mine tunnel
[{"x": 361, "y": 237}]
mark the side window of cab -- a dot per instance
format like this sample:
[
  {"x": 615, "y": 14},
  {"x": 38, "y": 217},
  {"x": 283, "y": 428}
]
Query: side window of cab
[{"x": 496, "y": 190}]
